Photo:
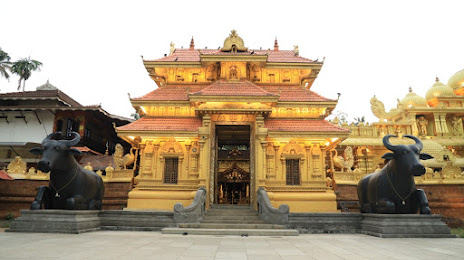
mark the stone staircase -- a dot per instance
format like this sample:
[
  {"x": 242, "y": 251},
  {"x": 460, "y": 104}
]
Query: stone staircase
[{"x": 231, "y": 220}]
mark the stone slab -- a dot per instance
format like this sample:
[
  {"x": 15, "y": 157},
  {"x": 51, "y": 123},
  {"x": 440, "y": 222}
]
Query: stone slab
[
  {"x": 136, "y": 220},
  {"x": 56, "y": 221},
  {"x": 405, "y": 226},
  {"x": 231, "y": 232},
  {"x": 320, "y": 223}
]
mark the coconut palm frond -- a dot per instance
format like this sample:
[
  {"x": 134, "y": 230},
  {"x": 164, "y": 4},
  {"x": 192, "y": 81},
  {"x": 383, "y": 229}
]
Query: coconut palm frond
[
  {"x": 4, "y": 64},
  {"x": 24, "y": 68}
]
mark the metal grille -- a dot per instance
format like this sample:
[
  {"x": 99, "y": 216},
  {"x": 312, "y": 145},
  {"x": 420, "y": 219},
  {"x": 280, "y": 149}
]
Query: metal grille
[
  {"x": 293, "y": 171},
  {"x": 170, "y": 170}
]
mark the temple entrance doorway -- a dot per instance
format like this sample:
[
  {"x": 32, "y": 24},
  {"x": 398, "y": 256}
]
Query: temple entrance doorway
[{"x": 233, "y": 164}]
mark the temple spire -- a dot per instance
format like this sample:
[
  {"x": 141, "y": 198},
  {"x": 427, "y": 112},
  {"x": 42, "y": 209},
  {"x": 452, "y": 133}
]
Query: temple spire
[
  {"x": 192, "y": 44},
  {"x": 276, "y": 45}
]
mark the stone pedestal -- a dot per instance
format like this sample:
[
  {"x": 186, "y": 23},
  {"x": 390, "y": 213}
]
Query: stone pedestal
[
  {"x": 404, "y": 226},
  {"x": 56, "y": 221}
]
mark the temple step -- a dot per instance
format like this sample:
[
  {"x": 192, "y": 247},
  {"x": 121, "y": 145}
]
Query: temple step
[
  {"x": 230, "y": 226},
  {"x": 234, "y": 232},
  {"x": 238, "y": 220}
]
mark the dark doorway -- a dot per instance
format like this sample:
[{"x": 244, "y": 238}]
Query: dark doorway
[{"x": 233, "y": 164}]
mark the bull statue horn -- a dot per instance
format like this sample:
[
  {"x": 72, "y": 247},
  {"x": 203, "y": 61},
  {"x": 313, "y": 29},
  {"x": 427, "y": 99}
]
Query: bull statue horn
[
  {"x": 387, "y": 143},
  {"x": 418, "y": 142},
  {"x": 74, "y": 141},
  {"x": 50, "y": 136}
]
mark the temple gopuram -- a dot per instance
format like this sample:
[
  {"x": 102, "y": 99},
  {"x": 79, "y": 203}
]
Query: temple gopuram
[{"x": 232, "y": 120}]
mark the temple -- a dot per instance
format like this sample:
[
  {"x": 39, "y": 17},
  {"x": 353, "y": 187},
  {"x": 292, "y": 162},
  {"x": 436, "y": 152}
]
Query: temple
[{"x": 232, "y": 120}]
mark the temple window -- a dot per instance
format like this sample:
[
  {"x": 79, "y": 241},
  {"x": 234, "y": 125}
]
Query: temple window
[
  {"x": 171, "y": 170},
  {"x": 194, "y": 77},
  {"x": 272, "y": 78},
  {"x": 59, "y": 126},
  {"x": 87, "y": 133},
  {"x": 234, "y": 48},
  {"x": 293, "y": 171}
]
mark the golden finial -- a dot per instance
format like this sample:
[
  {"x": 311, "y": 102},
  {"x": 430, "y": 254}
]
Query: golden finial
[
  {"x": 436, "y": 79},
  {"x": 410, "y": 89}
]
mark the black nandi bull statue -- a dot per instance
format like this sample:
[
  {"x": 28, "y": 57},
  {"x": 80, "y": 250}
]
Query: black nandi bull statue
[
  {"x": 392, "y": 190},
  {"x": 71, "y": 186}
]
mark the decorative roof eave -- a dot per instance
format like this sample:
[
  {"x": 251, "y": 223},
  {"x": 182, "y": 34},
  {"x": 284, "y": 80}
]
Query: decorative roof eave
[
  {"x": 39, "y": 98},
  {"x": 236, "y": 57},
  {"x": 308, "y": 103},
  {"x": 167, "y": 64},
  {"x": 435, "y": 110},
  {"x": 146, "y": 134},
  {"x": 95, "y": 109},
  {"x": 311, "y": 134},
  {"x": 233, "y": 111},
  {"x": 238, "y": 98},
  {"x": 154, "y": 102},
  {"x": 294, "y": 65}
]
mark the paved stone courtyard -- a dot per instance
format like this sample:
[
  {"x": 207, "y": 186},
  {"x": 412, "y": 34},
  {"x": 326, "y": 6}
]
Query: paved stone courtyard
[{"x": 154, "y": 245}]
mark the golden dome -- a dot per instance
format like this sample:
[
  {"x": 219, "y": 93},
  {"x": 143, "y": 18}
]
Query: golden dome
[
  {"x": 413, "y": 100},
  {"x": 457, "y": 80},
  {"x": 439, "y": 90}
]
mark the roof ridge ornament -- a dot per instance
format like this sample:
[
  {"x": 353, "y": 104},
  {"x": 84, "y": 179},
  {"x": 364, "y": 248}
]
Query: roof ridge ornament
[
  {"x": 234, "y": 43},
  {"x": 276, "y": 45},
  {"x": 192, "y": 44},
  {"x": 172, "y": 48}
]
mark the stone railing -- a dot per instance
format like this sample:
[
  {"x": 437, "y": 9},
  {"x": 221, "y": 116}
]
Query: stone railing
[
  {"x": 270, "y": 214},
  {"x": 194, "y": 212}
]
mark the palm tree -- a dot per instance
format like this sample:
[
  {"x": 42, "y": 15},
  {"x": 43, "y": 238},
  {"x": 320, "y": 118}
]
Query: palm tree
[
  {"x": 5, "y": 64},
  {"x": 23, "y": 68}
]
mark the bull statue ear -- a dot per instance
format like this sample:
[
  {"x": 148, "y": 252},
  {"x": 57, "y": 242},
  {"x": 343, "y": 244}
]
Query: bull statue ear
[
  {"x": 74, "y": 151},
  {"x": 389, "y": 156},
  {"x": 36, "y": 151},
  {"x": 425, "y": 156}
]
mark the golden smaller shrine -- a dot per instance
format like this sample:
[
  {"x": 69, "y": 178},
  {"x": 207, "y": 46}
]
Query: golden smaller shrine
[{"x": 232, "y": 120}]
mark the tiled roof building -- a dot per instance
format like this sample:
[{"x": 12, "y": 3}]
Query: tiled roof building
[{"x": 233, "y": 108}]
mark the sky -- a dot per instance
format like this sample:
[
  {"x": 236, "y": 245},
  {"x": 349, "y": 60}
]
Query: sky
[{"x": 91, "y": 50}]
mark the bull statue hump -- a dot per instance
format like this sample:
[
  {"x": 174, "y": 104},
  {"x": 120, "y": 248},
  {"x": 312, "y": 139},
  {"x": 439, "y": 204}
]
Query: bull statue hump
[
  {"x": 71, "y": 186},
  {"x": 392, "y": 190}
]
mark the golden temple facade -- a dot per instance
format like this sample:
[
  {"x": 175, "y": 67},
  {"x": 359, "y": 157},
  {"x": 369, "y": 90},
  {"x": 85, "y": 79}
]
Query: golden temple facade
[{"x": 233, "y": 120}]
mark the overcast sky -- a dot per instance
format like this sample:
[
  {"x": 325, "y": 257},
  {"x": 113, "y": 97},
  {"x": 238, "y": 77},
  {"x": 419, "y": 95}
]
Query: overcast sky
[{"x": 92, "y": 50}]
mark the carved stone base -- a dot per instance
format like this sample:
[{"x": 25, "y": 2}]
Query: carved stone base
[
  {"x": 405, "y": 226},
  {"x": 56, "y": 221}
]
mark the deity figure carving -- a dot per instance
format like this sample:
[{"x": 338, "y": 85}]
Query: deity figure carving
[
  {"x": 456, "y": 124},
  {"x": 346, "y": 161},
  {"x": 422, "y": 125},
  {"x": 120, "y": 160},
  {"x": 17, "y": 166},
  {"x": 233, "y": 72}
]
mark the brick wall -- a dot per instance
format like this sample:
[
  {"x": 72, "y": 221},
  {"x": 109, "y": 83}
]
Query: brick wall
[
  {"x": 447, "y": 200},
  {"x": 19, "y": 194}
]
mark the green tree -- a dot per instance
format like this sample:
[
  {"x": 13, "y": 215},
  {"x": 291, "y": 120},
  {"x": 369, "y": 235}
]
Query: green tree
[
  {"x": 5, "y": 64},
  {"x": 24, "y": 68}
]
